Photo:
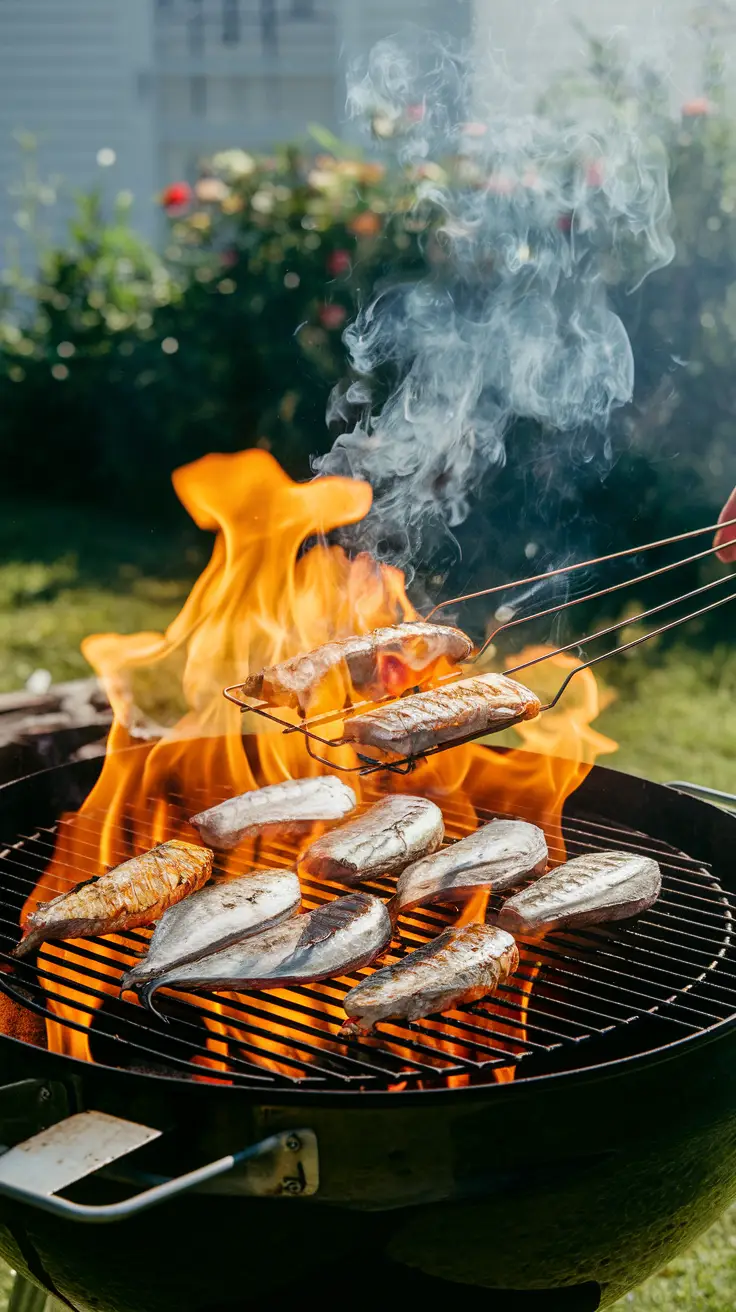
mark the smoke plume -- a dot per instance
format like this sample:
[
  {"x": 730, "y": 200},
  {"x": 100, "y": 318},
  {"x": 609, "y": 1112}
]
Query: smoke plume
[{"x": 529, "y": 221}]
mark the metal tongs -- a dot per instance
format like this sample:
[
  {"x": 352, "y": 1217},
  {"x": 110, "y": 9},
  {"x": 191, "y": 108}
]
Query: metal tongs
[{"x": 403, "y": 764}]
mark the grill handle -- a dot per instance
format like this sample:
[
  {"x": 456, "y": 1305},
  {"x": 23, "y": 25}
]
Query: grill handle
[
  {"x": 727, "y": 800},
  {"x": 284, "y": 1164}
]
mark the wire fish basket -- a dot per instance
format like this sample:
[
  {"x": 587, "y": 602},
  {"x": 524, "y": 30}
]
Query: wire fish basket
[{"x": 318, "y": 743}]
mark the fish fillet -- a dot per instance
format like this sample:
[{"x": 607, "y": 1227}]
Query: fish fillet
[
  {"x": 417, "y": 644},
  {"x": 217, "y": 916},
  {"x": 336, "y": 938},
  {"x": 386, "y": 838},
  {"x": 412, "y": 725},
  {"x": 133, "y": 894},
  {"x": 293, "y": 804},
  {"x": 497, "y": 856},
  {"x": 591, "y": 889},
  {"x": 460, "y": 965}
]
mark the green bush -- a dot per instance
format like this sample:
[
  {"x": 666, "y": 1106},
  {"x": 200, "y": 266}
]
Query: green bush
[{"x": 116, "y": 364}]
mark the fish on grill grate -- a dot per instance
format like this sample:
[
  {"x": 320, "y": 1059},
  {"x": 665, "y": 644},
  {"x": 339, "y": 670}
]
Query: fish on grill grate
[
  {"x": 589, "y": 890},
  {"x": 384, "y": 840},
  {"x": 460, "y": 965},
  {"x": 133, "y": 894},
  {"x": 325, "y": 943},
  {"x": 417, "y": 644},
  {"x": 221, "y": 914},
  {"x": 497, "y": 856},
  {"x": 412, "y": 725},
  {"x": 293, "y": 804}
]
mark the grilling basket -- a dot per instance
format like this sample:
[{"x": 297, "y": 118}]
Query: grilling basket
[{"x": 545, "y": 1149}]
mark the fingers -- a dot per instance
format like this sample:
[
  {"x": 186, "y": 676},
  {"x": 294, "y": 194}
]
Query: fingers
[{"x": 725, "y": 538}]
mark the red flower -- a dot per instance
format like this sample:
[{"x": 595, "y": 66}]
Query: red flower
[
  {"x": 564, "y": 223},
  {"x": 696, "y": 107},
  {"x": 332, "y": 316},
  {"x": 229, "y": 257},
  {"x": 338, "y": 262},
  {"x": 176, "y": 197}
]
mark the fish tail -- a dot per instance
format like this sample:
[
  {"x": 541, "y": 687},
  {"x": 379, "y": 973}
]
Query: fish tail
[{"x": 146, "y": 996}]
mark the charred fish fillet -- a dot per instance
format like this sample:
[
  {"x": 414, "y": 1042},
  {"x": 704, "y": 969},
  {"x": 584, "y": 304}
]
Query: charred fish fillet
[
  {"x": 589, "y": 890},
  {"x": 295, "y": 804},
  {"x": 417, "y": 644},
  {"x": 133, "y": 894},
  {"x": 392, "y": 833},
  {"x": 413, "y": 725},
  {"x": 336, "y": 938},
  {"x": 497, "y": 856},
  {"x": 460, "y": 965},
  {"x": 217, "y": 916}
]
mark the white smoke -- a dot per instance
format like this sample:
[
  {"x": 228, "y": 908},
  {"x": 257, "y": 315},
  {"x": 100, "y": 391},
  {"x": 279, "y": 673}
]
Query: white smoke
[{"x": 512, "y": 319}]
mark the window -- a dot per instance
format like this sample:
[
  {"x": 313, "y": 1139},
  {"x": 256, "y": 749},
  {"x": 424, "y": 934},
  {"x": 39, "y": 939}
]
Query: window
[{"x": 230, "y": 22}]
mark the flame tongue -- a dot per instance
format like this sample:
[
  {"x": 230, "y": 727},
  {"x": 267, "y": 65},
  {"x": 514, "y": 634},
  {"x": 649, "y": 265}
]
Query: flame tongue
[{"x": 259, "y": 601}]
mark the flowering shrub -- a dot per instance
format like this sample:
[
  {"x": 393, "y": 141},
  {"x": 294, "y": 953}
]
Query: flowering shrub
[
  {"x": 116, "y": 364},
  {"x": 130, "y": 364}
]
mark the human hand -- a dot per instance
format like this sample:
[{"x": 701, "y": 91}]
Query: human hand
[{"x": 725, "y": 538}]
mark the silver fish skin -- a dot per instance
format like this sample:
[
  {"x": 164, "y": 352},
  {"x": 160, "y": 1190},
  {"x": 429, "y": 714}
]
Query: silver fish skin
[
  {"x": 338, "y": 937},
  {"x": 497, "y": 856},
  {"x": 460, "y": 965},
  {"x": 219, "y": 915},
  {"x": 418, "y": 644},
  {"x": 412, "y": 725},
  {"x": 295, "y": 803},
  {"x": 589, "y": 890},
  {"x": 385, "y": 839}
]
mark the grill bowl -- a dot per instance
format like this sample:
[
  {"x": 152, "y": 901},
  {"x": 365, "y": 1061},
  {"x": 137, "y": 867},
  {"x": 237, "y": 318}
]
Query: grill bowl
[{"x": 582, "y": 1176}]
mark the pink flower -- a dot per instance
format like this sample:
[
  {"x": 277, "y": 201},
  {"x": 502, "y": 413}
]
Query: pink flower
[
  {"x": 332, "y": 316},
  {"x": 338, "y": 262},
  {"x": 564, "y": 222},
  {"x": 697, "y": 107},
  {"x": 211, "y": 190},
  {"x": 594, "y": 173},
  {"x": 229, "y": 257},
  {"x": 414, "y": 113},
  {"x": 176, "y": 197}
]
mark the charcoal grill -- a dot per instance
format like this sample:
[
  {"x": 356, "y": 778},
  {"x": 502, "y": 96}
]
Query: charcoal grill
[{"x": 613, "y": 1144}]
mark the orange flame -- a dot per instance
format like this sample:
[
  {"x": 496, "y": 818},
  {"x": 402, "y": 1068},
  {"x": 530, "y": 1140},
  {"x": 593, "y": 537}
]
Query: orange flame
[{"x": 262, "y": 598}]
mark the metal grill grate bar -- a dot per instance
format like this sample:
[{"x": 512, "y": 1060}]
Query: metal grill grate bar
[{"x": 676, "y": 961}]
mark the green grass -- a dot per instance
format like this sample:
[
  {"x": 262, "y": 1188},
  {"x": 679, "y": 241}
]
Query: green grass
[{"x": 65, "y": 573}]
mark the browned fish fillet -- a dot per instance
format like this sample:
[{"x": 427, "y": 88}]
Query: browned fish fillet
[
  {"x": 418, "y": 645},
  {"x": 386, "y": 838},
  {"x": 133, "y": 894},
  {"x": 460, "y": 965},
  {"x": 412, "y": 725},
  {"x": 589, "y": 890}
]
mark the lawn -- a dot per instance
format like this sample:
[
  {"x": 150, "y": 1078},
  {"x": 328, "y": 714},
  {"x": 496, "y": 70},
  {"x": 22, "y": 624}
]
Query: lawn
[{"x": 66, "y": 573}]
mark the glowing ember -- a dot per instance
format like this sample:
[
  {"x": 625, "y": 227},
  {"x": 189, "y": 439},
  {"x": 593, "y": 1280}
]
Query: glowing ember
[{"x": 261, "y": 599}]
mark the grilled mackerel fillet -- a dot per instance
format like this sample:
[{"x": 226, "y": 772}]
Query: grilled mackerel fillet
[
  {"x": 460, "y": 965},
  {"x": 413, "y": 725},
  {"x": 217, "y": 916},
  {"x": 133, "y": 894},
  {"x": 497, "y": 856},
  {"x": 419, "y": 646},
  {"x": 386, "y": 838},
  {"x": 294, "y": 804},
  {"x": 336, "y": 938},
  {"x": 591, "y": 889}
]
